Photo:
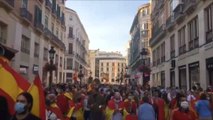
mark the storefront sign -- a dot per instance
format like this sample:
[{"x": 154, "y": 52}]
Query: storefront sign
[
  {"x": 35, "y": 69},
  {"x": 196, "y": 64}
]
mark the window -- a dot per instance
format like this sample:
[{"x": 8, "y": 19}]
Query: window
[
  {"x": 182, "y": 77},
  {"x": 3, "y": 33},
  {"x": 70, "y": 17},
  {"x": 57, "y": 32},
  {"x": 38, "y": 15},
  {"x": 113, "y": 64},
  {"x": 194, "y": 74},
  {"x": 144, "y": 26},
  {"x": 107, "y": 64},
  {"x": 53, "y": 26},
  {"x": 181, "y": 38},
  {"x": 172, "y": 46},
  {"x": 45, "y": 57},
  {"x": 70, "y": 51},
  {"x": 154, "y": 57},
  {"x": 24, "y": 4},
  {"x": 193, "y": 34},
  {"x": 69, "y": 63},
  {"x": 46, "y": 21},
  {"x": 61, "y": 36},
  {"x": 158, "y": 55},
  {"x": 61, "y": 61},
  {"x": 146, "y": 43},
  {"x": 209, "y": 23},
  {"x": 56, "y": 59},
  {"x": 102, "y": 64},
  {"x": 25, "y": 45},
  {"x": 70, "y": 34},
  {"x": 163, "y": 52},
  {"x": 36, "y": 50}
]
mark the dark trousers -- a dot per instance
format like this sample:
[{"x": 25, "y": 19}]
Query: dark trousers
[
  {"x": 86, "y": 115},
  {"x": 73, "y": 118}
]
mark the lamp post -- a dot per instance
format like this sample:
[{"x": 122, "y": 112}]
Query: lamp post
[
  {"x": 127, "y": 75},
  {"x": 51, "y": 56},
  {"x": 144, "y": 54},
  {"x": 80, "y": 75}
]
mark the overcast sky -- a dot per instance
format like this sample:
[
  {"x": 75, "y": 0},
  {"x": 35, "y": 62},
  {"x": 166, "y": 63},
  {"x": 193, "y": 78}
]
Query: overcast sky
[{"x": 107, "y": 22}]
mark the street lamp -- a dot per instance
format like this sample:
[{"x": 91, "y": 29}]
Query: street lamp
[
  {"x": 51, "y": 56},
  {"x": 146, "y": 69},
  {"x": 80, "y": 75}
]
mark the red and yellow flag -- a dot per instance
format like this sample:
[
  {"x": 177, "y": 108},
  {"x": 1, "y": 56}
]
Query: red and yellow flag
[{"x": 11, "y": 84}]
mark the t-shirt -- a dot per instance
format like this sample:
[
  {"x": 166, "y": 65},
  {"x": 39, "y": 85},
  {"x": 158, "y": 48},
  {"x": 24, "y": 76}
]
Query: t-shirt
[
  {"x": 203, "y": 108},
  {"x": 179, "y": 115},
  {"x": 29, "y": 117}
]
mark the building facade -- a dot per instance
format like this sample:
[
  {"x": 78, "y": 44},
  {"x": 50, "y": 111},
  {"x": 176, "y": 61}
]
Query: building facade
[
  {"x": 31, "y": 27},
  {"x": 181, "y": 43},
  {"x": 109, "y": 67},
  {"x": 77, "y": 47},
  {"x": 140, "y": 35}
]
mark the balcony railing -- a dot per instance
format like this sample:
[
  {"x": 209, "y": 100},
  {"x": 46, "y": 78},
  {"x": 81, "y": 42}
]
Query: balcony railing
[
  {"x": 47, "y": 33},
  {"x": 172, "y": 54},
  {"x": 48, "y": 4},
  {"x": 26, "y": 15},
  {"x": 158, "y": 61},
  {"x": 39, "y": 26},
  {"x": 162, "y": 59},
  {"x": 170, "y": 22},
  {"x": 189, "y": 6},
  {"x": 57, "y": 41},
  {"x": 9, "y": 4},
  {"x": 196, "y": 42},
  {"x": 178, "y": 12},
  {"x": 2, "y": 40},
  {"x": 36, "y": 55},
  {"x": 25, "y": 50},
  {"x": 182, "y": 49},
  {"x": 209, "y": 36},
  {"x": 54, "y": 12},
  {"x": 158, "y": 32}
]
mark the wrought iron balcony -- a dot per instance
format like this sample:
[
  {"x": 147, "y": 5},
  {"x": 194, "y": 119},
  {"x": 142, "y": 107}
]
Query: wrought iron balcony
[
  {"x": 48, "y": 4},
  {"x": 209, "y": 36},
  {"x": 47, "y": 33},
  {"x": 170, "y": 22},
  {"x": 189, "y": 6},
  {"x": 158, "y": 33},
  {"x": 8, "y": 4},
  {"x": 162, "y": 59},
  {"x": 26, "y": 15},
  {"x": 57, "y": 41},
  {"x": 178, "y": 13},
  {"x": 172, "y": 54},
  {"x": 182, "y": 49},
  {"x": 39, "y": 27},
  {"x": 54, "y": 12}
]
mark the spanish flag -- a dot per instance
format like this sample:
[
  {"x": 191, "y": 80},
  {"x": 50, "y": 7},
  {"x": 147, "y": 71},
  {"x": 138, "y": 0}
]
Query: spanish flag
[
  {"x": 11, "y": 84},
  {"x": 37, "y": 92}
]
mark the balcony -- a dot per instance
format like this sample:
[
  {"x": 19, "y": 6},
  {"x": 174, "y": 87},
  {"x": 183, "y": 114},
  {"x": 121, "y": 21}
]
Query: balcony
[
  {"x": 209, "y": 36},
  {"x": 2, "y": 40},
  {"x": 48, "y": 4},
  {"x": 158, "y": 33},
  {"x": 7, "y": 4},
  {"x": 182, "y": 49},
  {"x": 178, "y": 13},
  {"x": 39, "y": 27},
  {"x": 58, "y": 42},
  {"x": 189, "y": 6},
  {"x": 26, "y": 15},
  {"x": 162, "y": 59},
  {"x": 172, "y": 54},
  {"x": 47, "y": 33},
  {"x": 170, "y": 23},
  {"x": 158, "y": 61},
  {"x": 63, "y": 22},
  {"x": 54, "y": 13}
]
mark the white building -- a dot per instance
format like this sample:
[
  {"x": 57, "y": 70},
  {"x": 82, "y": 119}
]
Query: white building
[
  {"x": 77, "y": 46},
  {"x": 31, "y": 27},
  {"x": 182, "y": 43},
  {"x": 108, "y": 66}
]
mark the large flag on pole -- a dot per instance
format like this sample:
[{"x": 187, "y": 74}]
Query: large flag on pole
[{"x": 11, "y": 84}]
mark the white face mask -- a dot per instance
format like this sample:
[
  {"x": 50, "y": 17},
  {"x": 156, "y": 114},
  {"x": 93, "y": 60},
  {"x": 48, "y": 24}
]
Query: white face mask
[{"x": 184, "y": 105}]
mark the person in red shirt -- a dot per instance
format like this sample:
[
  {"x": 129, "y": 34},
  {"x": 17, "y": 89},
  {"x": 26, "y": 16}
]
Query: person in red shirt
[
  {"x": 183, "y": 112},
  {"x": 159, "y": 105}
]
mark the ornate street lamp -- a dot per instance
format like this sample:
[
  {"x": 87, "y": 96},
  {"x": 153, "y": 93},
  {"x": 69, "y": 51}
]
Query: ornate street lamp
[
  {"x": 145, "y": 69},
  {"x": 81, "y": 75},
  {"x": 51, "y": 66}
]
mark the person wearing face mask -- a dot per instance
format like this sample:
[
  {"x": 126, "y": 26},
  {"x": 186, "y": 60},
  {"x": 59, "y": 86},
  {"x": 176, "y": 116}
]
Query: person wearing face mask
[
  {"x": 183, "y": 112},
  {"x": 23, "y": 107}
]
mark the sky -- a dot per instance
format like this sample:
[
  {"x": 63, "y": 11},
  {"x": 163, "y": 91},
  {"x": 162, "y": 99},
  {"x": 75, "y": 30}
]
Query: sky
[{"x": 107, "y": 22}]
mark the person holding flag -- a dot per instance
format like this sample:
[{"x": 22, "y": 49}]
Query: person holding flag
[{"x": 23, "y": 107}]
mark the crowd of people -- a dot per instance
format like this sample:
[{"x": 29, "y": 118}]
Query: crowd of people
[{"x": 115, "y": 102}]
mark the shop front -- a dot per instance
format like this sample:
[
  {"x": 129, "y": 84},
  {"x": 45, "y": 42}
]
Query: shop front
[
  {"x": 172, "y": 78},
  {"x": 209, "y": 66},
  {"x": 182, "y": 77},
  {"x": 194, "y": 74}
]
